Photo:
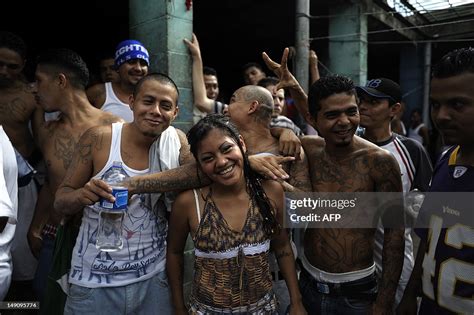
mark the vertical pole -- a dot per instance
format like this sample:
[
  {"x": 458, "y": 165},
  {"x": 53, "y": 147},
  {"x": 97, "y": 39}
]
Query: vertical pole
[
  {"x": 426, "y": 85},
  {"x": 161, "y": 26},
  {"x": 302, "y": 43}
]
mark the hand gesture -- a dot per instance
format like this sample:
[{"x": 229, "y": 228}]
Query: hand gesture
[
  {"x": 270, "y": 165},
  {"x": 287, "y": 80}
]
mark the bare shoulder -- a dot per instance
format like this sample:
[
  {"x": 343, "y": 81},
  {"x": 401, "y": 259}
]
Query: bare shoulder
[
  {"x": 310, "y": 142},
  {"x": 383, "y": 166},
  {"x": 103, "y": 130},
  {"x": 273, "y": 189},
  {"x": 313, "y": 146},
  {"x": 185, "y": 155},
  {"x": 16, "y": 105},
  {"x": 107, "y": 118},
  {"x": 95, "y": 144},
  {"x": 182, "y": 136},
  {"x": 184, "y": 203},
  {"x": 374, "y": 152},
  {"x": 96, "y": 94}
]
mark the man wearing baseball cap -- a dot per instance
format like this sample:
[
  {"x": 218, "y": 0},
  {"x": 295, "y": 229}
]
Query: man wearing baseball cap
[
  {"x": 379, "y": 103},
  {"x": 131, "y": 63}
]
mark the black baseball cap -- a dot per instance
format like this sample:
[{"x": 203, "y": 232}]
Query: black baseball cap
[{"x": 382, "y": 88}]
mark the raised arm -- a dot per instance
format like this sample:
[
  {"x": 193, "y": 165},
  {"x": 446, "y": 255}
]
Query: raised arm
[
  {"x": 201, "y": 101},
  {"x": 313, "y": 66},
  {"x": 288, "y": 81}
]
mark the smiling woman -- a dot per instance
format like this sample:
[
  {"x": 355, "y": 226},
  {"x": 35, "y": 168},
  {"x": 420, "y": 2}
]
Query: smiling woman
[{"x": 233, "y": 222}]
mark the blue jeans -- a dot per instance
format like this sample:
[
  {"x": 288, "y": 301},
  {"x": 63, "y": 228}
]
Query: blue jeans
[
  {"x": 316, "y": 302},
  {"x": 151, "y": 296},
  {"x": 45, "y": 262}
]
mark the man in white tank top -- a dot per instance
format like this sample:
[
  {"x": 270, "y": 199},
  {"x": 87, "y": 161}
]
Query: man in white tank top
[
  {"x": 418, "y": 130},
  {"x": 131, "y": 63},
  {"x": 133, "y": 278}
]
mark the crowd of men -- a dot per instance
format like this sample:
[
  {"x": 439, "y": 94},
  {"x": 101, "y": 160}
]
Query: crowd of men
[{"x": 52, "y": 166}]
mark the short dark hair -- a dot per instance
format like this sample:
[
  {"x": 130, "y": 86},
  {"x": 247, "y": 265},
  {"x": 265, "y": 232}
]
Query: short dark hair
[
  {"x": 68, "y": 62},
  {"x": 209, "y": 71},
  {"x": 454, "y": 63},
  {"x": 252, "y": 64},
  {"x": 268, "y": 81},
  {"x": 13, "y": 42},
  {"x": 416, "y": 110},
  {"x": 327, "y": 86},
  {"x": 157, "y": 76}
]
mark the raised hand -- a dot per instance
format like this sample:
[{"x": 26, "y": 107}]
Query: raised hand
[
  {"x": 287, "y": 80},
  {"x": 193, "y": 46}
]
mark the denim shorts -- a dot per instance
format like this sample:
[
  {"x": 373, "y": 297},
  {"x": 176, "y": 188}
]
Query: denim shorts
[{"x": 151, "y": 296}]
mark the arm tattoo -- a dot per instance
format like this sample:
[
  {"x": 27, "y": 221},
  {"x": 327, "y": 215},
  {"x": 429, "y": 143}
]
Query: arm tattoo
[
  {"x": 91, "y": 140},
  {"x": 387, "y": 170},
  {"x": 392, "y": 263},
  {"x": 282, "y": 254}
]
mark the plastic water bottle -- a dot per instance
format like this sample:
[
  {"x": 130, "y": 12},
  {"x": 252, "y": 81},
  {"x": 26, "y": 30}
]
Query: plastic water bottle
[{"x": 109, "y": 235}]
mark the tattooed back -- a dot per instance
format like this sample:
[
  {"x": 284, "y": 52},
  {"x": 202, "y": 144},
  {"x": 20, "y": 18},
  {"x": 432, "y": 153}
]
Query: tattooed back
[{"x": 17, "y": 104}]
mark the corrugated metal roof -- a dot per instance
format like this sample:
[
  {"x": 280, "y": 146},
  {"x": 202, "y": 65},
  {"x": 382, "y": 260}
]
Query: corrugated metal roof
[
  {"x": 437, "y": 19},
  {"x": 434, "y": 10}
]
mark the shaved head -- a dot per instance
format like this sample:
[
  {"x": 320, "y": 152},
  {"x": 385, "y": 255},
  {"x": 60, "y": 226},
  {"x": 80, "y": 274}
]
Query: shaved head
[{"x": 250, "y": 93}]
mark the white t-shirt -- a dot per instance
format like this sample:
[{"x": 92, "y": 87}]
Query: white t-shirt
[{"x": 8, "y": 208}]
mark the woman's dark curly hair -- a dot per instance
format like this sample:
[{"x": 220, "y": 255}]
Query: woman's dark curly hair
[{"x": 254, "y": 186}]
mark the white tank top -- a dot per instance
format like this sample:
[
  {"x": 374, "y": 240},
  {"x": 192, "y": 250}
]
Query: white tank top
[
  {"x": 144, "y": 232},
  {"x": 413, "y": 133},
  {"x": 115, "y": 106}
]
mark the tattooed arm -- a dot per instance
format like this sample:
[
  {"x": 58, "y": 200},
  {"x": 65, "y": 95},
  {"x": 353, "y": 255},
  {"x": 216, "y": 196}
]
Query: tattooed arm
[
  {"x": 386, "y": 175},
  {"x": 299, "y": 173},
  {"x": 187, "y": 176},
  {"x": 78, "y": 189},
  {"x": 288, "y": 142}
]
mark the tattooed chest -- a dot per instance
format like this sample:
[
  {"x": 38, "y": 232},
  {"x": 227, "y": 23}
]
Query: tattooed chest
[
  {"x": 60, "y": 149},
  {"x": 352, "y": 175}
]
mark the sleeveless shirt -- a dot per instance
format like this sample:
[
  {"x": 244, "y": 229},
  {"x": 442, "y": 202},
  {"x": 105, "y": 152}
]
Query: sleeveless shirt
[{"x": 231, "y": 267}]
